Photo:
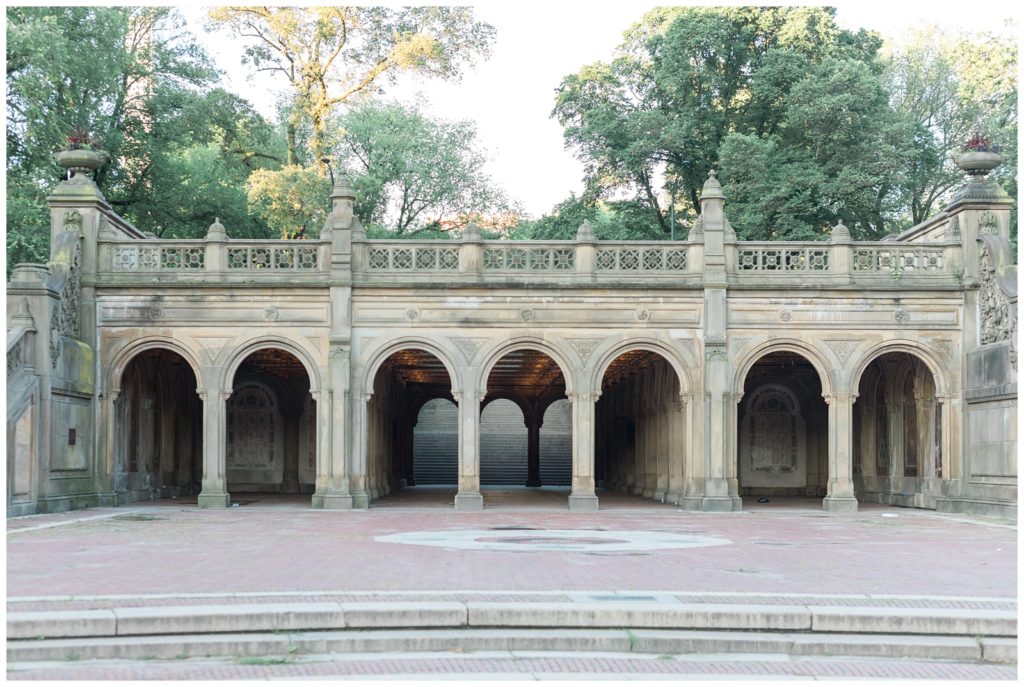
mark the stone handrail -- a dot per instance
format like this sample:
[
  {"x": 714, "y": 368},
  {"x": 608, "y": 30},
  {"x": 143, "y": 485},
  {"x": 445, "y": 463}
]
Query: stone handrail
[
  {"x": 933, "y": 229},
  {"x": 778, "y": 256},
  {"x": 18, "y": 345},
  {"x": 190, "y": 256},
  {"x": 904, "y": 259},
  {"x": 521, "y": 258}
]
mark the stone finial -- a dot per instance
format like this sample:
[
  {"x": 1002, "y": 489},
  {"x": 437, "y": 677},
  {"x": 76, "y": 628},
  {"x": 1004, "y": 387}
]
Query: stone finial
[
  {"x": 216, "y": 231},
  {"x": 471, "y": 232},
  {"x": 841, "y": 233},
  {"x": 585, "y": 232},
  {"x": 712, "y": 187},
  {"x": 343, "y": 187}
]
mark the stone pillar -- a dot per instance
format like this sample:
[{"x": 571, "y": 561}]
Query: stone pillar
[
  {"x": 840, "y": 498},
  {"x": 471, "y": 252},
  {"x": 290, "y": 472},
  {"x": 469, "y": 497},
  {"x": 358, "y": 477},
  {"x": 586, "y": 251},
  {"x": 215, "y": 448},
  {"x": 333, "y": 433},
  {"x": 410, "y": 449},
  {"x": 583, "y": 496},
  {"x": 533, "y": 425}
]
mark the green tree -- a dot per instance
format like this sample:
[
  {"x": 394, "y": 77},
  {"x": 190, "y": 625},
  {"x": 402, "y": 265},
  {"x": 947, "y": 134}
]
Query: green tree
[
  {"x": 684, "y": 79},
  {"x": 332, "y": 55},
  {"x": 291, "y": 200},
  {"x": 180, "y": 150},
  {"x": 953, "y": 86},
  {"x": 836, "y": 154},
  {"x": 413, "y": 172}
]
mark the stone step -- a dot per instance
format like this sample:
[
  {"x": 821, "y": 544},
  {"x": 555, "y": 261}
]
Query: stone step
[
  {"x": 639, "y": 641},
  {"x": 229, "y": 618}
]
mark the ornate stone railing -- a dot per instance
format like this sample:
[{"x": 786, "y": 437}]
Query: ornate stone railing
[
  {"x": 167, "y": 258},
  {"x": 139, "y": 256},
  {"x": 783, "y": 257},
  {"x": 529, "y": 256},
  {"x": 277, "y": 255},
  {"x": 848, "y": 261},
  {"x": 406, "y": 256},
  {"x": 898, "y": 259},
  {"x": 633, "y": 257}
]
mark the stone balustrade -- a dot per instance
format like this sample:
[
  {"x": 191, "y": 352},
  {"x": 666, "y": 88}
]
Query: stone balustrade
[
  {"x": 560, "y": 261},
  {"x": 119, "y": 260}
]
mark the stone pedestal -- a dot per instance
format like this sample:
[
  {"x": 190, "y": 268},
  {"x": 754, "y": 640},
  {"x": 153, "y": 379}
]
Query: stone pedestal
[{"x": 469, "y": 502}]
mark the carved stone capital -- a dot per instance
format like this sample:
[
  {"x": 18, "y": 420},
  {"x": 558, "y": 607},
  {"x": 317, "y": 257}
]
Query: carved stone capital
[{"x": 584, "y": 396}]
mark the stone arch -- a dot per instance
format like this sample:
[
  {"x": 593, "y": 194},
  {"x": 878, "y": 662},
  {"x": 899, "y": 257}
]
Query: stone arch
[
  {"x": 671, "y": 355},
  {"x": 527, "y": 410},
  {"x": 929, "y": 357},
  {"x": 385, "y": 351},
  {"x": 815, "y": 357},
  {"x": 124, "y": 356},
  {"x": 244, "y": 350},
  {"x": 521, "y": 343}
]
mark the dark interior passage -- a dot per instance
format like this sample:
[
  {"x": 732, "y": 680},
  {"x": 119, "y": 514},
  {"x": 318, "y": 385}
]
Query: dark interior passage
[{"x": 159, "y": 435}]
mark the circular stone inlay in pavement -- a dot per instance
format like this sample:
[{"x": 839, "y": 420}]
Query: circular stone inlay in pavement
[{"x": 553, "y": 540}]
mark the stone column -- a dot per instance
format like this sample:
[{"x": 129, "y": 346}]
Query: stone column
[
  {"x": 410, "y": 449},
  {"x": 533, "y": 425},
  {"x": 215, "y": 449},
  {"x": 333, "y": 434},
  {"x": 677, "y": 459},
  {"x": 290, "y": 469},
  {"x": 583, "y": 497},
  {"x": 840, "y": 498},
  {"x": 469, "y": 497},
  {"x": 361, "y": 436}
]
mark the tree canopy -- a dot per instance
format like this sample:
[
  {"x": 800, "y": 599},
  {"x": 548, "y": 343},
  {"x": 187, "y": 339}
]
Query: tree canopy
[{"x": 808, "y": 123}]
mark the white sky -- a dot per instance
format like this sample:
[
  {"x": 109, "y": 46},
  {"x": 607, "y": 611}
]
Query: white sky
[{"x": 510, "y": 96}]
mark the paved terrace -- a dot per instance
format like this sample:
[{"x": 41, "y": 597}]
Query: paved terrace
[{"x": 171, "y": 552}]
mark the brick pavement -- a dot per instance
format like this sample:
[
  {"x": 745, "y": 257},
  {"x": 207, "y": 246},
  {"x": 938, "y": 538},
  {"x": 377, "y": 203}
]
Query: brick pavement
[
  {"x": 178, "y": 549},
  {"x": 507, "y": 665}
]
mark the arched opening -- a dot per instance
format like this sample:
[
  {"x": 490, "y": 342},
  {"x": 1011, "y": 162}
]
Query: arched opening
[
  {"x": 159, "y": 429},
  {"x": 782, "y": 429},
  {"x": 271, "y": 427},
  {"x": 436, "y": 444},
  {"x": 897, "y": 439},
  {"x": 503, "y": 444},
  {"x": 556, "y": 445},
  {"x": 411, "y": 425},
  {"x": 521, "y": 387},
  {"x": 639, "y": 419}
]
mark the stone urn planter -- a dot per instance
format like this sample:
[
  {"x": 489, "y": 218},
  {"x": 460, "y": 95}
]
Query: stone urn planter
[
  {"x": 81, "y": 162},
  {"x": 978, "y": 162}
]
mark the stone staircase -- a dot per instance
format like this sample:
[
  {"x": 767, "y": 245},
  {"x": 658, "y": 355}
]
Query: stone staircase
[{"x": 656, "y": 623}]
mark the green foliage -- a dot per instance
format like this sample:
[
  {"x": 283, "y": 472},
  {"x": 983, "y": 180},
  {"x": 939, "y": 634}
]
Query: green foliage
[
  {"x": 950, "y": 87},
  {"x": 611, "y": 221},
  {"x": 681, "y": 82},
  {"x": 331, "y": 56},
  {"x": 180, "y": 150},
  {"x": 291, "y": 200},
  {"x": 413, "y": 172}
]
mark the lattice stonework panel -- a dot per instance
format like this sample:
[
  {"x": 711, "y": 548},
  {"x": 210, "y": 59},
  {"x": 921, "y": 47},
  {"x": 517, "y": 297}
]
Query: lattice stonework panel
[
  {"x": 250, "y": 430},
  {"x": 773, "y": 442}
]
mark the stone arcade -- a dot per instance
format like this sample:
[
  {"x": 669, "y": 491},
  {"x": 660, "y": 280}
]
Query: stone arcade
[{"x": 697, "y": 372}]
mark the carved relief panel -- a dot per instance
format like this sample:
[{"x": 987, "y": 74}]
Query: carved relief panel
[
  {"x": 254, "y": 436},
  {"x": 772, "y": 439}
]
